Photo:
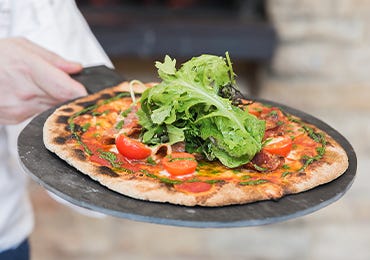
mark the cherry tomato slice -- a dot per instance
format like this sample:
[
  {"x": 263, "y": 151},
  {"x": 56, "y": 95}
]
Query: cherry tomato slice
[
  {"x": 279, "y": 146},
  {"x": 180, "y": 163},
  {"x": 257, "y": 109},
  {"x": 132, "y": 148}
]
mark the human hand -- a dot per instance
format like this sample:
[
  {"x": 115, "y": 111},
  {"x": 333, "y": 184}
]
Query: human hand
[{"x": 33, "y": 79}]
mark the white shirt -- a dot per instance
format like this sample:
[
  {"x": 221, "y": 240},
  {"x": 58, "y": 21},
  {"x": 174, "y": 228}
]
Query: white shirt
[{"x": 56, "y": 25}]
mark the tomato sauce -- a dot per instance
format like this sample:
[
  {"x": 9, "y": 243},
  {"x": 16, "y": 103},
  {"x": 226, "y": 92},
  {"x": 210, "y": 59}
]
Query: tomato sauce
[
  {"x": 194, "y": 187},
  {"x": 99, "y": 139}
]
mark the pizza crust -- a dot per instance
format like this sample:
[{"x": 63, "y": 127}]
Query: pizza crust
[
  {"x": 334, "y": 164},
  {"x": 55, "y": 134}
]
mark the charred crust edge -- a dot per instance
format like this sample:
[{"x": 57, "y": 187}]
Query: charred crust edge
[
  {"x": 105, "y": 96},
  {"x": 86, "y": 104},
  {"x": 60, "y": 140},
  {"x": 107, "y": 171},
  {"x": 80, "y": 154},
  {"x": 67, "y": 109},
  {"x": 62, "y": 120}
]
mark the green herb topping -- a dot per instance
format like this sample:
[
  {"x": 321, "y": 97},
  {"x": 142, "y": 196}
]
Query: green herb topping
[{"x": 186, "y": 106}]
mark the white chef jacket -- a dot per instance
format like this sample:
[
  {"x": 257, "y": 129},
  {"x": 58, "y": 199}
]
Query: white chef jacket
[{"x": 56, "y": 25}]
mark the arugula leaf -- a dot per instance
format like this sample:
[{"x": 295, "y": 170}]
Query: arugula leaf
[
  {"x": 186, "y": 106},
  {"x": 168, "y": 66},
  {"x": 110, "y": 157}
]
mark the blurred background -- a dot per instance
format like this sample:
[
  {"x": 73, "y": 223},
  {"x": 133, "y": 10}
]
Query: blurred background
[{"x": 309, "y": 54}]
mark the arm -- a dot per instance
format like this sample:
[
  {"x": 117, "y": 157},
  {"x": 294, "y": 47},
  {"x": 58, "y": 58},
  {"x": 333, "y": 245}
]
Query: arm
[{"x": 33, "y": 79}]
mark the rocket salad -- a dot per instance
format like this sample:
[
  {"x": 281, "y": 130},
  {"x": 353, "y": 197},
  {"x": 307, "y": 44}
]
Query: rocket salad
[{"x": 193, "y": 104}]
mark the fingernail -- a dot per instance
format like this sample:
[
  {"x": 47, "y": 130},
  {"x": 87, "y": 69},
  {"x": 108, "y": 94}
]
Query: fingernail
[{"x": 71, "y": 67}]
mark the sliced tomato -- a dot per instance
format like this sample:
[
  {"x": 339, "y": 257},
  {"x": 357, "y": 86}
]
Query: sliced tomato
[
  {"x": 193, "y": 187},
  {"x": 281, "y": 145},
  {"x": 131, "y": 148},
  {"x": 257, "y": 109},
  {"x": 305, "y": 141},
  {"x": 180, "y": 163}
]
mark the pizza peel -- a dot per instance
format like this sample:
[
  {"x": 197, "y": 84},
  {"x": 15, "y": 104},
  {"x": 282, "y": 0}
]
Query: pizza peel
[{"x": 58, "y": 177}]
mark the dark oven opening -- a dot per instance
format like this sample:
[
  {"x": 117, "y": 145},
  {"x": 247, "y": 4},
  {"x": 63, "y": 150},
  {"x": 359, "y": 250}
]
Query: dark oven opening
[{"x": 184, "y": 28}]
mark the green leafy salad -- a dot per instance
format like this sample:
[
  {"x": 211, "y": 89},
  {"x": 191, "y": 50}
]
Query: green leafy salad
[{"x": 195, "y": 104}]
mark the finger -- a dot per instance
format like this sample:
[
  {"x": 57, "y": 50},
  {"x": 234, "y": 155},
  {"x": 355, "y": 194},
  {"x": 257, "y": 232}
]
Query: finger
[
  {"x": 69, "y": 67},
  {"x": 23, "y": 102},
  {"x": 15, "y": 115},
  {"x": 56, "y": 83},
  {"x": 21, "y": 88},
  {"x": 24, "y": 91}
]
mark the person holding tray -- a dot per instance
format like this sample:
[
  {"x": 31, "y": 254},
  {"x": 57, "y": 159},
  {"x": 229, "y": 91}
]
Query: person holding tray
[{"x": 34, "y": 36}]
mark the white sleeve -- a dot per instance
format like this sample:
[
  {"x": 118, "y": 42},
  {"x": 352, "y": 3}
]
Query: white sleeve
[{"x": 58, "y": 26}]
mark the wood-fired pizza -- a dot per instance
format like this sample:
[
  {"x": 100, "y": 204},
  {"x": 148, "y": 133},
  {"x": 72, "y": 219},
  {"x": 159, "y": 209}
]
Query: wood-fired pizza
[{"x": 192, "y": 139}]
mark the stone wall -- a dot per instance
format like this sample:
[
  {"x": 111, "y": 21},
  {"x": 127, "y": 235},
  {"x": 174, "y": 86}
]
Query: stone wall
[{"x": 322, "y": 39}]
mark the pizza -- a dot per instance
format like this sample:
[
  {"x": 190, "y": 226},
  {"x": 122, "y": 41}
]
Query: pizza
[{"x": 164, "y": 143}]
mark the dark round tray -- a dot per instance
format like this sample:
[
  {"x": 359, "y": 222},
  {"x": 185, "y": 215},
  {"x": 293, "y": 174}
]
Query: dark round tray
[{"x": 66, "y": 182}]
